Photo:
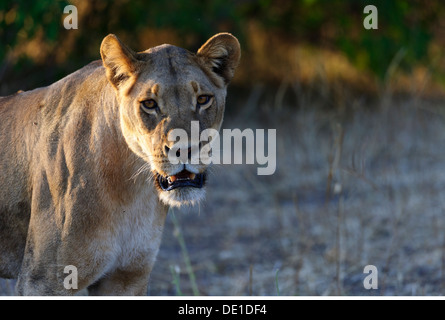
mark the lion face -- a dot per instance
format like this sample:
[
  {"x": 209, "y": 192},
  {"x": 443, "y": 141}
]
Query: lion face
[{"x": 166, "y": 88}]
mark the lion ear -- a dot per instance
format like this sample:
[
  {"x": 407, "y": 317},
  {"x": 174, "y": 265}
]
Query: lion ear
[
  {"x": 120, "y": 61},
  {"x": 221, "y": 54}
]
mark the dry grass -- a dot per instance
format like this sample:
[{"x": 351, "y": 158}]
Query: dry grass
[
  {"x": 352, "y": 188},
  {"x": 359, "y": 184},
  {"x": 349, "y": 190}
]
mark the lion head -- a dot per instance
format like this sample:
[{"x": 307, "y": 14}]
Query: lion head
[{"x": 165, "y": 88}]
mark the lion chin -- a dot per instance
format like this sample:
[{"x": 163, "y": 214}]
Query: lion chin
[
  {"x": 182, "y": 196},
  {"x": 182, "y": 188}
]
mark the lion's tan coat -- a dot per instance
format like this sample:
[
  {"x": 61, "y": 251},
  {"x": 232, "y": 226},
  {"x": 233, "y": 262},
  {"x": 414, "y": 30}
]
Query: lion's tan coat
[{"x": 74, "y": 186}]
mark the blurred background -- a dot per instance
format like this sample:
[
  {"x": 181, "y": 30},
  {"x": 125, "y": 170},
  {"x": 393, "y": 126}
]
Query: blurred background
[
  {"x": 360, "y": 128},
  {"x": 283, "y": 41}
]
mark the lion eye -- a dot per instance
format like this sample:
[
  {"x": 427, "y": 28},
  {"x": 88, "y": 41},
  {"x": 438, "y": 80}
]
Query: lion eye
[
  {"x": 203, "y": 99},
  {"x": 148, "y": 105}
]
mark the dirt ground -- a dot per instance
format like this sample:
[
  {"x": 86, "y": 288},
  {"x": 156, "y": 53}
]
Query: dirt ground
[{"x": 351, "y": 189}]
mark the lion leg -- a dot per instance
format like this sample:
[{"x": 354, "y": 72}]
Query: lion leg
[
  {"x": 40, "y": 275},
  {"x": 47, "y": 253},
  {"x": 122, "y": 283},
  {"x": 50, "y": 268}
]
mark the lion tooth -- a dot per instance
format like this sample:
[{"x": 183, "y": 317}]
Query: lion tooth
[{"x": 192, "y": 176}]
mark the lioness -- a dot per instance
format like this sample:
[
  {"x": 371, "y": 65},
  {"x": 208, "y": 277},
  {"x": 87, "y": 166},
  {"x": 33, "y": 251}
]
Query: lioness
[{"x": 86, "y": 180}]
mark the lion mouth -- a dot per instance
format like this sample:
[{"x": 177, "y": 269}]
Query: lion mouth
[{"x": 180, "y": 180}]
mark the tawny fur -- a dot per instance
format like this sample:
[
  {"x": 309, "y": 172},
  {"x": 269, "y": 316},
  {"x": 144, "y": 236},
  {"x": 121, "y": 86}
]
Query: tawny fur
[{"x": 78, "y": 162}]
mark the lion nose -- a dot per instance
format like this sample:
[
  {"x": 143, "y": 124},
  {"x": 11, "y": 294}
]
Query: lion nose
[{"x": 178, "y": 151}]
